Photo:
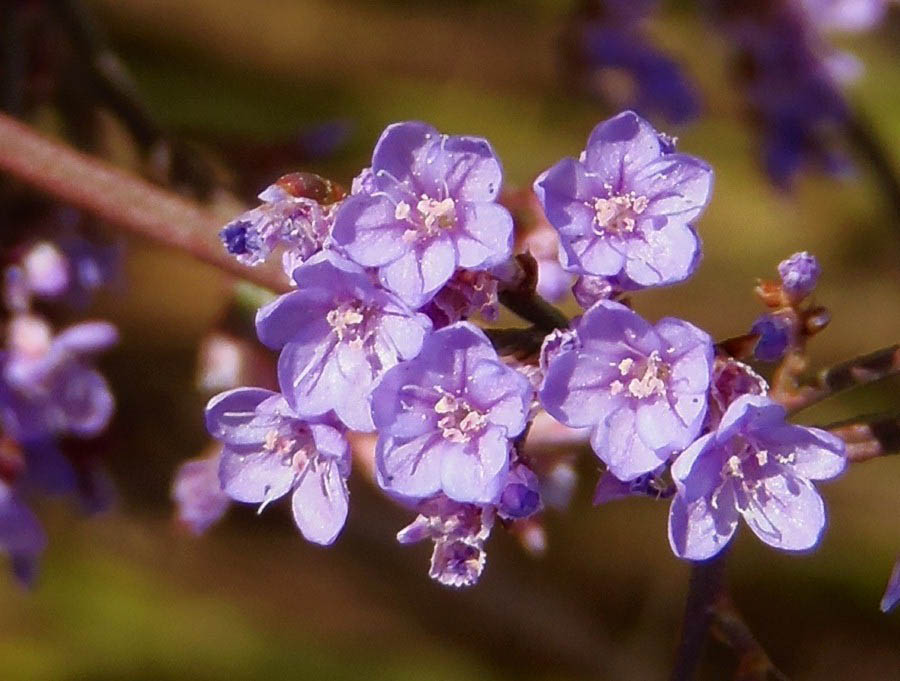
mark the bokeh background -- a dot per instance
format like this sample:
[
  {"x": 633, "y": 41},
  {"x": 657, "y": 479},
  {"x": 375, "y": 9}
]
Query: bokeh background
[{"x": 130, "y": 595}]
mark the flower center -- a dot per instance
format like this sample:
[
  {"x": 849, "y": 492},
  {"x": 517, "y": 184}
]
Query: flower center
[
  {"x": 617, "y": 213},
  {"x": 431, "y": 217},
  {"x": 459, "y": 421},
  {"x": 295, "y": 448},
  {"x": 642, "y": 379},
  {"x": 346, "y": 320}
]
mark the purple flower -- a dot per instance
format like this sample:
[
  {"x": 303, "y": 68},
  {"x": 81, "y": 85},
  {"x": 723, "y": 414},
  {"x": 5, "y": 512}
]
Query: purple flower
[
  {"x": 892, "y": 592},
  {"x": 799, "y": 274},
  {"x": 642, "y": 388},
  {"x": 459, "y": 532},
  {"x": 198, "y": 493},
  {"x": 446, "y": 418},
  {"x": 48, "y": 386},
  {"x": 757, "y": 466},
  {"x": 21, "y": 536},
  {"x": 268, "y": 451},
  {"x": 626, "y": 206},
  {"x": 339, "y": 334},
  {"x": 427, "y": 207},
  {"x": 299, "y": 224},
  {"x": 776, "y": 333}
]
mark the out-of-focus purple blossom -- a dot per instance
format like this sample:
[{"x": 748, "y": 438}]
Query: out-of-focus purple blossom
[
  {"x": 46, "y": 270},
  {"x": 731, "y": 380},
  {"x": 21, "y": 536},
  {"x": 843, "y": 15},
  {"x": 269, "y": 451},
  {"x": 783, "y": 66},
  {"x": 299, "y": 224},
  {"x": 611, "y": 57},
  {"x": 16, "y": 294},
  {"x": 198, "y": 494},
  {"x": 757, "y": 466},
  {"x": 799, "y": 274},
  {"x": 892, "y": 592},
  {"x": 625, "y": 207},
  {"x": 655, "y": 82},
  {"x": 221, "y": 362},
  {"x": 446, "y": 419},
  {"x": 70, "y": 268},
  {"x": 610, "y": 488},
  {"x": 339, "y": 333},
  {"x": 48, "y": 385},
  {"x": 642, "y": 388},
  {"x": 459, "y": 532},
  {"x": 466, "y": 294},
  {"x": 427, "y": 208},
  {"x": 775, "y": 335}
]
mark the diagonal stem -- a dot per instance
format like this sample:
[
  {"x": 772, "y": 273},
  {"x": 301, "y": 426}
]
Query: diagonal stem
[
  {"x": 121, "y": 199},
  {"x": 862, "y": 370},
  {"x": 869, "y": 436}
]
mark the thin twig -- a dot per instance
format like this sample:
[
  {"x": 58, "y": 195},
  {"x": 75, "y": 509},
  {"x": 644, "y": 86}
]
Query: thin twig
[
  {"x": 788, "y": 390},
  {"x": 122, "y": 199},
  {"x": 754, "y": 663},
  {"x": 707, "y": 582},
  {"x": 869, "y": 436}
]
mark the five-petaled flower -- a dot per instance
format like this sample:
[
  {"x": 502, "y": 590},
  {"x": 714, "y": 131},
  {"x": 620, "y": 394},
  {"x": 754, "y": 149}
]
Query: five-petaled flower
[
  {"x": 642, "y": 388},
  {"x": 339, "y": 333},
  {"x": 757, "y": 466},
  {"x": 427, "y": 207},
  {"x": 268, "y": 451},
  {"x": 627, "y": 204},
  {"x": 446, "y": 419}
]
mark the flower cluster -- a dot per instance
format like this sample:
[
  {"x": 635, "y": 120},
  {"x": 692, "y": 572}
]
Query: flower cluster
[
  {"x": 50, "y": 393},
  {"x": 376, "y": 336}
]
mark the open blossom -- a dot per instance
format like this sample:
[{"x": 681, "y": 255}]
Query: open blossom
[
  {"x": 627, "y": 204},
  {"x": 339, "y": 333},
  {"x": 48, "y": 386},
  {"x": 757, "y": 466},
  {"x": 642, "y": 388},
  {"x": 268, "y": 451},
  {"x": 446, "y": 419},
  {"x": 427, "y": 207}
]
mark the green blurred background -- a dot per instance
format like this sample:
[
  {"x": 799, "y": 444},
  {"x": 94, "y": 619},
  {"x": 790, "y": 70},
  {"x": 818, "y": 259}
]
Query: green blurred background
[{"x": 129, "y": 595}]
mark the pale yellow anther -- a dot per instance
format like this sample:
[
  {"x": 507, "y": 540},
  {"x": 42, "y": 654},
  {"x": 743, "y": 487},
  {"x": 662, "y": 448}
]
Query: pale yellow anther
[
  {"x": 618, "y": 213},
  {"x": 401, "y": 211}
]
